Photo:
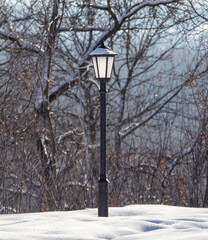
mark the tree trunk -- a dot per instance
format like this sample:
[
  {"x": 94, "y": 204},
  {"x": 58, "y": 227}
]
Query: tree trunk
[{"x": 46, "y": 142}]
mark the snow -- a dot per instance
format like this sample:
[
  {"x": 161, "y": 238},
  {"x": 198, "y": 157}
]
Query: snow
[{"x": 132, "y": 222}]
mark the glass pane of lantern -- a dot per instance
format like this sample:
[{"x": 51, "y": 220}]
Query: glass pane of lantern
[
  {"x": 110, "y": 66},
  {"x": 102, "y": 66},
  {"x": 95, "y": 66}
]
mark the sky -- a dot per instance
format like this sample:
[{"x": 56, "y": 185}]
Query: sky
[{"x": 134, "y": 222}]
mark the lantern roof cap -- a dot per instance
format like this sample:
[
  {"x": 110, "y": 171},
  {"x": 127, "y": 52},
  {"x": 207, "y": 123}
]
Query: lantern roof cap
[{"x": 102, "y": 50}]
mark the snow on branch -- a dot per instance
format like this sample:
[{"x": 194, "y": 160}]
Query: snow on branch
[
  {"x": 43, "y": 143},
  {"x": 55, "y": 92},
  {"x": 21, "y": 42},
  {"x": 39, "y": 99},
  {"x": 94, "y": 82},
  {"x": 4, "y": 210},
  {"x": 127, "y": 13},
  {"x": 103, "y": 36},
  {"x": 17, "y": 191},
  {"x": 69, "y": 133},
  {"x": 43, "y": 83},
  {"x": 5, "y": 62},
  {"x": 78, "y": 184},
  {"x": 136, "y": 7},
  {"x": 81, "y": 28},
  {"x": 98, "y": 6}
]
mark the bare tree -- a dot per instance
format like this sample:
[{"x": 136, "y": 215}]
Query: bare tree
[{"x": 49, "y": 102}]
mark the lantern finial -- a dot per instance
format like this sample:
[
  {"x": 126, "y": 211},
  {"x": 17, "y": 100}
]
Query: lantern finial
[{"x": 103, "y": 46}]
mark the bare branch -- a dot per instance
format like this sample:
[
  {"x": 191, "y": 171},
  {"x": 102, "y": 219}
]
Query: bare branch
[
  {"x": 112, "y": 12},
  {"x": 200, "y": 15},
  {"x": 136, "y": 125}
]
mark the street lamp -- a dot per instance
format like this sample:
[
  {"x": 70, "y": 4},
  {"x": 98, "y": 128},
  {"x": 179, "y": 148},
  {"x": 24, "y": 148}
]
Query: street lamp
[{"x": 103, "y": 59}]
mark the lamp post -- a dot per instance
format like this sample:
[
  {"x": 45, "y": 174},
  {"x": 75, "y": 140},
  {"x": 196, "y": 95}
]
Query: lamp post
[{"x": 103, "y": 59}]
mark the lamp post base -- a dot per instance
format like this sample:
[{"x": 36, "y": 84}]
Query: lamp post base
[{"x": 103, "y": 198}]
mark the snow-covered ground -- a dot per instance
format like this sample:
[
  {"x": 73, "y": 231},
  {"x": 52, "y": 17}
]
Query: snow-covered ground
[{"x": 128, "y": 223}]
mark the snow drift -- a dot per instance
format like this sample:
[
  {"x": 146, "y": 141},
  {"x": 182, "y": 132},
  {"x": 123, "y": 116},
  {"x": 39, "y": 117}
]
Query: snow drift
[{"x": 128, "y": 223}]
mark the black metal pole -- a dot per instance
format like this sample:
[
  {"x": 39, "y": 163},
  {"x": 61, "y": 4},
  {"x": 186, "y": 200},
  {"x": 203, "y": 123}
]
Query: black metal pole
[{"x": 103, "y": 182}]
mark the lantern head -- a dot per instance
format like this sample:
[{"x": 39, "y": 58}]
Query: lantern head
[{"x": 103, "y": 59}]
